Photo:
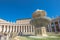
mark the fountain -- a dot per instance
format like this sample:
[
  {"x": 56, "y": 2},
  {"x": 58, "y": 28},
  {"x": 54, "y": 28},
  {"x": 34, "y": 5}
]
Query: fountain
[{"x": 40, "y": 21}]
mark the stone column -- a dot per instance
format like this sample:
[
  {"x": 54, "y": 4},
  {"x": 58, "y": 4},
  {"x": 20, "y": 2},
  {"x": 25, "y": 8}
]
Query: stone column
[
  {"x": 31, "y": 28},
  {"x": 4, "y": 29},
  {"x": 21, "y": 28},
  {"x": 50, "y": 27},
  {"x": 1, "y": 28},
  {"x": 54, "y": 26},
  {"x": 59, "y": 24},
  {"x": 10, "y": 29},
  {"x": 16, "y": 28},
  {"x": 26, "y": 28},
  {"x": 34, "y": 30},
  {"x": 7, "y": 28},
  {"x": 13, "y": 28}
]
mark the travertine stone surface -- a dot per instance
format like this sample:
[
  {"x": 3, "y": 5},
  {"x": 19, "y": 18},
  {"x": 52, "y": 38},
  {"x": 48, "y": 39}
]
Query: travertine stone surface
[{"x": 43, "y": 31}]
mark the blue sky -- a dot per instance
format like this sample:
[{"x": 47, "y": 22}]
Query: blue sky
[{"x": 15, "y": 9}]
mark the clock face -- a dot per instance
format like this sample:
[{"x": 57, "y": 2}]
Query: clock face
[{"x": 0, "y": 28}]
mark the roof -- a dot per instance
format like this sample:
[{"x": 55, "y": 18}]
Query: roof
[
  {"x": 3, "y": 21},
  {"x": 55, "y": 19}
]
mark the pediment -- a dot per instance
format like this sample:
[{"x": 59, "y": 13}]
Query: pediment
[{"x": 3, "y": 21}]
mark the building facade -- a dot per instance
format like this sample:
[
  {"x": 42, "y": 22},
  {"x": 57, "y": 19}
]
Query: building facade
[
  {"x": 21, "y": 26},
  {"x": 25, "y": 27},
  {"x": 54, "y": 25}
]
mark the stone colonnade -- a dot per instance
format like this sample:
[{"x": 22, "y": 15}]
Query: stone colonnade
[
  {"x": 54, "y": 26},
  {"x": 11, "y": 30},
  {"x": 27, "y": 29}
]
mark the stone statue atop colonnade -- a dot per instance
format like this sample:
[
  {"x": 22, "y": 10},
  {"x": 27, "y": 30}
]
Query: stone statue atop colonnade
[{"x": 40, "y": 21}]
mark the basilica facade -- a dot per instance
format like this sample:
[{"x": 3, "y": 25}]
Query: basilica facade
[{"x": 22, "y": 26}]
